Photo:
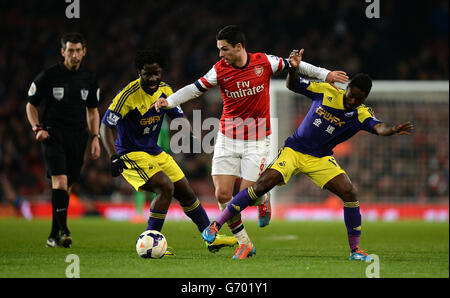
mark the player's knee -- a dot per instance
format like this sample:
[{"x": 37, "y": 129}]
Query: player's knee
[
  {"x": 162, "y": 185},
  {"x": 167, "y": 188},
  {"x": 59, "y": 182},
  {"x": 223, "y": 195}
]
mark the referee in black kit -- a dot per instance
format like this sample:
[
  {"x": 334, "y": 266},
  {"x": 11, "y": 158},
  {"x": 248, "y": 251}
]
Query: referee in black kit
[{"x": 71, "y": 94}]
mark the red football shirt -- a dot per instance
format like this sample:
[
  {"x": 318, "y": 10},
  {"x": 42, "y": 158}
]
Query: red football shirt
[{"x": 245, "y": 94}]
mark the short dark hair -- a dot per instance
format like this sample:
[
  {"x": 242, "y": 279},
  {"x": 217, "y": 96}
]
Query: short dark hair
[
  {"x": 232, "y": 34},
  {"x": 148, "y": 57},
  {"x": 362, "y": 81},
  {"x": 73, "y": 37}
]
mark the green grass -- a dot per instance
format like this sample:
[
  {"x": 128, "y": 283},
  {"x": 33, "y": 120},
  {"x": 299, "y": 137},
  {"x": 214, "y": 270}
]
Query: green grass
[{"x": 284, "y": 249}]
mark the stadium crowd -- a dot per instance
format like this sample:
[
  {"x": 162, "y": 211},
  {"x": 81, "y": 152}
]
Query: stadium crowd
[{"x": 397, "y": 46}]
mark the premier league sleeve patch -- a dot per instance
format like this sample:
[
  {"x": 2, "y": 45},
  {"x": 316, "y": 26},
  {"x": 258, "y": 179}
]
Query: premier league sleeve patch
[
  {"x": 111, "y": 118},
  {"x": 32, "y": 90}
]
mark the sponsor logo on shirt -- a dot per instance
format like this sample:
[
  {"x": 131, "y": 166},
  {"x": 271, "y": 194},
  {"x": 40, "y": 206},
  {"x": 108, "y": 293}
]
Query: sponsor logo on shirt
[
  {"x": 244, "y": 89},
  {"x": 329, "y": 117},
  {"x": 150, "y": 120}
]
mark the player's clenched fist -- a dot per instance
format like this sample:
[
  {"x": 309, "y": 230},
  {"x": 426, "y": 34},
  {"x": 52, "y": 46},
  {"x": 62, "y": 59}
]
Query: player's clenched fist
[
  {"x": 117, "y": 165},
  {"x": 42, "y": 135},
  {"x": 161, "y": 103}
]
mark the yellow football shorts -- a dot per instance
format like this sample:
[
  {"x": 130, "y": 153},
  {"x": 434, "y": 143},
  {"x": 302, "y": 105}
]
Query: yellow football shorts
[
  {"x": 142, "y": 166},
  {"x": 320, "y": 169}
]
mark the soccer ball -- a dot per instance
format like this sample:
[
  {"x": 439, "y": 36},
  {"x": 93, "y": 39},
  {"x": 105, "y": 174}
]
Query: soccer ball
[{"x": 151, "y": 244}]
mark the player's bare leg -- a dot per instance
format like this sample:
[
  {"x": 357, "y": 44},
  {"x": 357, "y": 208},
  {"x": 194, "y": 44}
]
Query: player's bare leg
[
  {"x": 160, "y": 184},
  {"x": 343, "y": 187},
  {"x": 190, "y": 203},
  {"x": 224, "y": 185},
  {"x": 267, "y": 181},
  {"x": 264, "y": 207},
  {"x": 263, "y": 204}
]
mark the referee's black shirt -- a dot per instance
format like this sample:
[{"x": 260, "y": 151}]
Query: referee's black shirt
[{"x": 66, "y": 94}]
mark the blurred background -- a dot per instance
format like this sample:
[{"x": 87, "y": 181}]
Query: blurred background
[{"x": 408, "y": 42}]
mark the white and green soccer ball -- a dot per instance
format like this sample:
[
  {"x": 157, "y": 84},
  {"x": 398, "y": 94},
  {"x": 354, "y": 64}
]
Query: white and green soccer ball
[{"x": 151, "y": 244}]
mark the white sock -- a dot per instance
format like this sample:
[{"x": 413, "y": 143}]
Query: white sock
[{"x": 241, "y": 236}]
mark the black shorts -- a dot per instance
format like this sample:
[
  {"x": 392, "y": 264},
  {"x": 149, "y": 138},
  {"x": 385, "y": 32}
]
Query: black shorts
[{"x": 64, "y": 153}]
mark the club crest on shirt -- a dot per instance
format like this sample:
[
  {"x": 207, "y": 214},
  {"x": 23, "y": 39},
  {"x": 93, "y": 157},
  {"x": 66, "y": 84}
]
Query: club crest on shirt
[
  {"x": 84, "y": 94},
  {"x": 58, "y": 93},
  {"x": 259, "y": 70}
]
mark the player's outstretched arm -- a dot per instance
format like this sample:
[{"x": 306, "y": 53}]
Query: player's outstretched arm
[
  {"x": 181, "y": 96},
  {"x": 296, "y": 65},
  {"x": 384, "y": 129}
]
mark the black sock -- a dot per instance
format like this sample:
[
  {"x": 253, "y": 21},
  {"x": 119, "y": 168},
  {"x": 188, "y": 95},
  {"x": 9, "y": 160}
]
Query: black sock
[
  {"x": 54, "y": 232},
  {"x": 67, "y": 201},
  {"x": 59, "y": 203},
  {"x": 67, "y": 210}
]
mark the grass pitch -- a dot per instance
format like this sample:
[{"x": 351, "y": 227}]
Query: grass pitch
[{"x": 406, "y": 249}]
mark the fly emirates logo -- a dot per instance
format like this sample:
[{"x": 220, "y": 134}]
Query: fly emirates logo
[{"x": 244, "y": 89}]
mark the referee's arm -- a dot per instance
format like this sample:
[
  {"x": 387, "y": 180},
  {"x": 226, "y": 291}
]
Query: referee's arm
[
  {"x": 93, "y": 122},
  {"x": 33, "y": 118}
]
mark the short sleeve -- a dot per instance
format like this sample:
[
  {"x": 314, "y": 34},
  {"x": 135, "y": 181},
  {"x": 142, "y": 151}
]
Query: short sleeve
[
  {"x": 308, "y": 88},
  {"x": 37, "y": 89},
  {"x": 119, "y": 107},
  {"x": 94, "y": 93},
  {"x": 367, "y": 119}
]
